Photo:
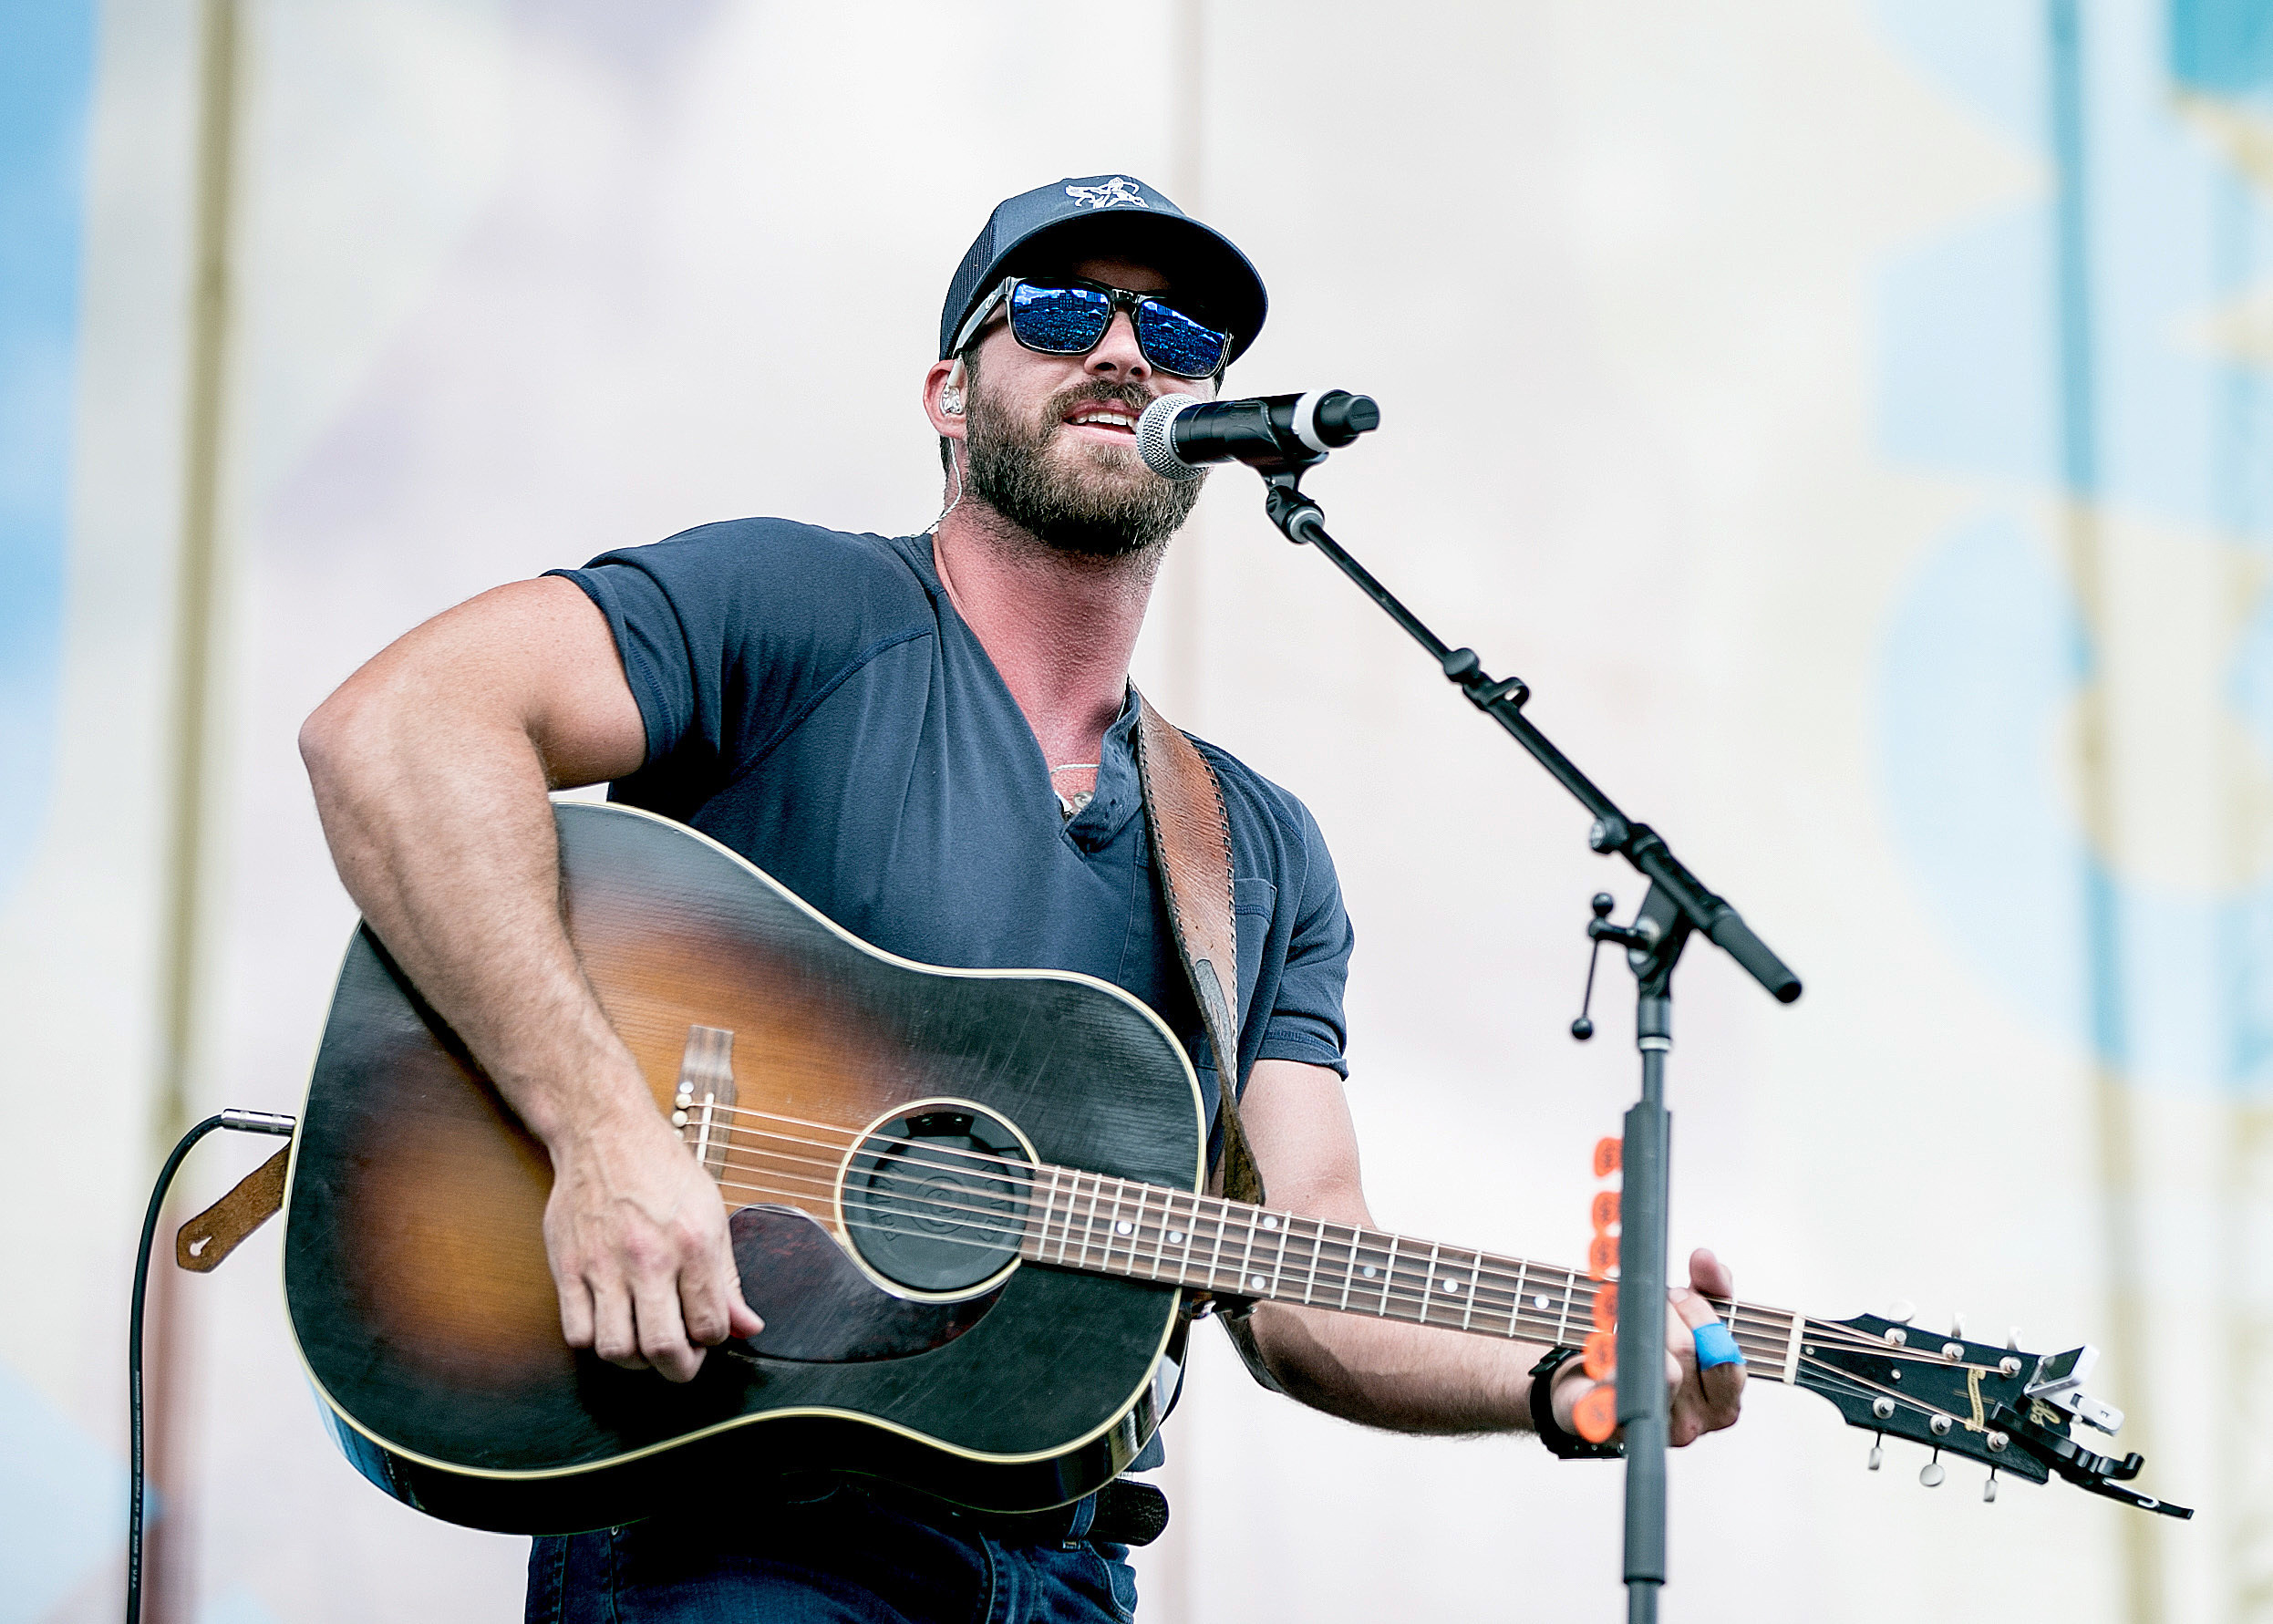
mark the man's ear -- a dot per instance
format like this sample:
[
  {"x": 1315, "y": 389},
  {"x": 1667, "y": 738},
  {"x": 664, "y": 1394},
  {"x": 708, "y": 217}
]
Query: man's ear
[{"x": 944, "y": 396}]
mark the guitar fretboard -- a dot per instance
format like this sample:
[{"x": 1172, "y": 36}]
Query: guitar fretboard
[{"x": 1100, "y": 1225}]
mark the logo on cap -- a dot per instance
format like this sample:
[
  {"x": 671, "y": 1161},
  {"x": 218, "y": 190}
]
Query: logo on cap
[{"x": 1120, "y": 193}]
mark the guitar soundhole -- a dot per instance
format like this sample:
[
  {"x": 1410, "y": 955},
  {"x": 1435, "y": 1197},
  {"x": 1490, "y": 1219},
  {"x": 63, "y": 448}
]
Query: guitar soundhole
[{"x": 936, "y": 1200}]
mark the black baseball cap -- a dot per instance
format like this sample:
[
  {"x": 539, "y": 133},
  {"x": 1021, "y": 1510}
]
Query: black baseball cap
[{"x": 1116, "y": 216}]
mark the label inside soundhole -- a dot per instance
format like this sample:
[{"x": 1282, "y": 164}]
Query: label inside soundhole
[{"x": 936, "y": 1200}]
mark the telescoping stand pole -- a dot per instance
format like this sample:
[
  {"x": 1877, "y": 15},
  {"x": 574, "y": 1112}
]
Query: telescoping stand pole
[{"x": 1675, "y": 905}]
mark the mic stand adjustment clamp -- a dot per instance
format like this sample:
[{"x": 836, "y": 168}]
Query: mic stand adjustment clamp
[
  {"x": 1640, "y": 939},
  {"x": 1295, "y": 514}
]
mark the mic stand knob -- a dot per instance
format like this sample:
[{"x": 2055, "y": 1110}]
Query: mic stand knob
[{"x": 1584, "y": 1026}]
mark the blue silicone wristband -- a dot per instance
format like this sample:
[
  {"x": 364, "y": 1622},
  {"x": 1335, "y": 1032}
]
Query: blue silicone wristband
[{"x": 1716, "y": 1345}]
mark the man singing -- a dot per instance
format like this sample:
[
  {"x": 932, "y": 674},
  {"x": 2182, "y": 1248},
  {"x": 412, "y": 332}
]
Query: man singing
[{"x": 930, "y": 738}]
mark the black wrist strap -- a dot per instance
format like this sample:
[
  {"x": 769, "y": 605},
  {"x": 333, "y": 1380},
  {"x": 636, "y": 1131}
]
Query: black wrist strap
[{"x": 1564, "y": 1445}]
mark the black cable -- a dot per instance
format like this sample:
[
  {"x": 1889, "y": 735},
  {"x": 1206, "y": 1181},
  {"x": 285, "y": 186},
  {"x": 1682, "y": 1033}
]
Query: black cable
[{"x": 244, "y": 1122}]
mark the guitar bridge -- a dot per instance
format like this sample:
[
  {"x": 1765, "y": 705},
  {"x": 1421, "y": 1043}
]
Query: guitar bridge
[{"x": 702, "y": 1110}]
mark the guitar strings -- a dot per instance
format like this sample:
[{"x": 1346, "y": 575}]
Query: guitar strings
[
  {"x": 1902, "y": 1400},
  {"x": 1531, "y": 1326},
  {"x": 1770, "y": 1370},
  {"x": 1398, "y": 1292},
  {"x": 1824, "y": 1331},
  {"x": 1140, "y": 1242},
  {"x": 1528, "y": 1325},
  {"x": 1767, "y": 1324},
  {"x": 1820, "y": 1330},
  {"x": 846, "y": 1138},
  {"x": 1401, "y": 1290},
  {"x": 1010, "y": 1168},
  {"x": 1423, "y": 1303}
]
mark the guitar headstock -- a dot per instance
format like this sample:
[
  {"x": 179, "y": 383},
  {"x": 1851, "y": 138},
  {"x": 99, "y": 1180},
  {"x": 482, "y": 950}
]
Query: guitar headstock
[{"x": 2010, "y": 1411}]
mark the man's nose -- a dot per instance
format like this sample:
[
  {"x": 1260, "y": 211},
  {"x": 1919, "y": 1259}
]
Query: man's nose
[{"x": 1117, "y": 354}]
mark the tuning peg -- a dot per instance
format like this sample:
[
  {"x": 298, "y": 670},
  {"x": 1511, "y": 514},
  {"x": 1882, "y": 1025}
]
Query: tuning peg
[
  {"x": 1878, "y": 1456},
  {"x": 1989, "y": 1489},
  {"x": 1902, "y": 1310},
  {"x": 1957, "y": 1326},
  {"x": 2012, "y": 1339},
  {"x": 1932, "y": 1472}
]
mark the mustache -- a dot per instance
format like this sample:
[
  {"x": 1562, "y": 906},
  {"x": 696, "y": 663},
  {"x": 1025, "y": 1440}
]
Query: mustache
[{"x": 1096, "y": 392}]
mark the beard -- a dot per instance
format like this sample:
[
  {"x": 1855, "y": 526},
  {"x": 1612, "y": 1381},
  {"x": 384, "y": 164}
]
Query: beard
[{"x": 1106, "y": 504}]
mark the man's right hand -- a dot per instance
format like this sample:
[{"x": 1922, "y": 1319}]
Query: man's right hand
[{"x": 639, "y": 1248}]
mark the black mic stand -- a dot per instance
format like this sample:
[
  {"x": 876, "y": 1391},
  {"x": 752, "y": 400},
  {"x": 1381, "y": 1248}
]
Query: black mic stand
[{"x": 1677, "y": 904}]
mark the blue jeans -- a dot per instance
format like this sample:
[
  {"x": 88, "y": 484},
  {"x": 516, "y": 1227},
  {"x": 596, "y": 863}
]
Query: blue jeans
[{"x": 842, "y": 1559}]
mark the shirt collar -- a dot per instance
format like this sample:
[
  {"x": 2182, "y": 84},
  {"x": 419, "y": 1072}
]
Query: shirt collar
[{"x": 1119, "y": 794}]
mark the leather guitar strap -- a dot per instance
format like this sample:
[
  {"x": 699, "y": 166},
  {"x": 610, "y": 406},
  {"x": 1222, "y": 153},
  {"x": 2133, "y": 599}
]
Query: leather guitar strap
[
  {"x": 201, "y": 1244},
  {"x": 1190, "y": 834},
  {"x": 1183, "y": 808}
]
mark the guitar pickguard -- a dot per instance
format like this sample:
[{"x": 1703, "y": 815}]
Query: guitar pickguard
[{"x": 820, "y": 1308}]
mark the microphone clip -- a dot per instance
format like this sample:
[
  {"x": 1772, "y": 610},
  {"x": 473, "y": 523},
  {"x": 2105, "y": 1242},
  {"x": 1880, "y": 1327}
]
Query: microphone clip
[{"x": 1294, "y": 512}]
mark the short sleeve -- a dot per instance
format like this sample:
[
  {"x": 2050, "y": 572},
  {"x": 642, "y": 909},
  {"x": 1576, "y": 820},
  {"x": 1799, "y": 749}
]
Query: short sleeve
[
  {"x": 658, "y": 651},
  {"x": 1306, "y": 1021},
  {"x": 731, "y": 633}
]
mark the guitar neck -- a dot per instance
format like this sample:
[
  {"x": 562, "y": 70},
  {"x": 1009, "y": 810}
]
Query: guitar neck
[{"x": 1100, "y": 1225}]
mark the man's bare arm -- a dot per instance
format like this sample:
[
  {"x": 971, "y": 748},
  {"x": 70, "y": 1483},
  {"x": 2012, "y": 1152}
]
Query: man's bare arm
[
  {"x": 431, "y": 767},
  {"x": 1410, "y": 1378}
]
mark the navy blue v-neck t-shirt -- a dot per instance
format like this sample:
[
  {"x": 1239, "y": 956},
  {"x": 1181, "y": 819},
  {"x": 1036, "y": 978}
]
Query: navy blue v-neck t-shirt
[{"x": 813, "y": 701}]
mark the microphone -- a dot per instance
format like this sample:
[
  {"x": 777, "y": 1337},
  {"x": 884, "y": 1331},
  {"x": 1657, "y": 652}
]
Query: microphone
[{"x": 1179, "y": 435}]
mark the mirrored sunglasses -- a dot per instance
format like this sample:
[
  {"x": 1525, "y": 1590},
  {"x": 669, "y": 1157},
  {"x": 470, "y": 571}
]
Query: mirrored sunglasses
[{"x": 1070, "y": 318}]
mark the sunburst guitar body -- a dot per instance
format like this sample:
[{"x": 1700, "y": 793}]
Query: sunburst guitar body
[{"x": 826, "y": 1084}]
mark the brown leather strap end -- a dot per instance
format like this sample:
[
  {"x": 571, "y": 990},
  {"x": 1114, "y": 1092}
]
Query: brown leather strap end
[{"x": 201, "y": 1244}]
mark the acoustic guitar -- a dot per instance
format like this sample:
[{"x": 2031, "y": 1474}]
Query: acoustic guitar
[{"x": 969, "y": 1206}]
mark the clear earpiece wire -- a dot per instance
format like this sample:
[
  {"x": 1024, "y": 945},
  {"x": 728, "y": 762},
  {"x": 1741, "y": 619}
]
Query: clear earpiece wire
[{"x": 955, "y": 460}]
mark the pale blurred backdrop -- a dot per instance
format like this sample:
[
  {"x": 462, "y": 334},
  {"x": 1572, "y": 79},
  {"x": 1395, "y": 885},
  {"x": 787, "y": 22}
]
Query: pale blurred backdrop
[{"x": 1850, "y": 417}]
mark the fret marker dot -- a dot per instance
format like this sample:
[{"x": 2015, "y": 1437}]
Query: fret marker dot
[
  {"x": 1270, "y": 1223},
  {"x": 1124, "y": 1227},
  {"x": 1175, "y": 1237},
  {"x": 1451, "y": 1285},
  {"x": 1539, "y": 1301},
  {"x": 1369, "y": 1271},
  {"x": 1256, "y": 1282}
]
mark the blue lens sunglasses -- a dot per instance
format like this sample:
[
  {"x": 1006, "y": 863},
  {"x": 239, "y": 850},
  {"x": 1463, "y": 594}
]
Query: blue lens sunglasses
[{"x": 1070, "y": 318}]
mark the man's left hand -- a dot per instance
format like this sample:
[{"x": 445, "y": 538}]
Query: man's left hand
[{"x": 1697, "y": 1402}]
